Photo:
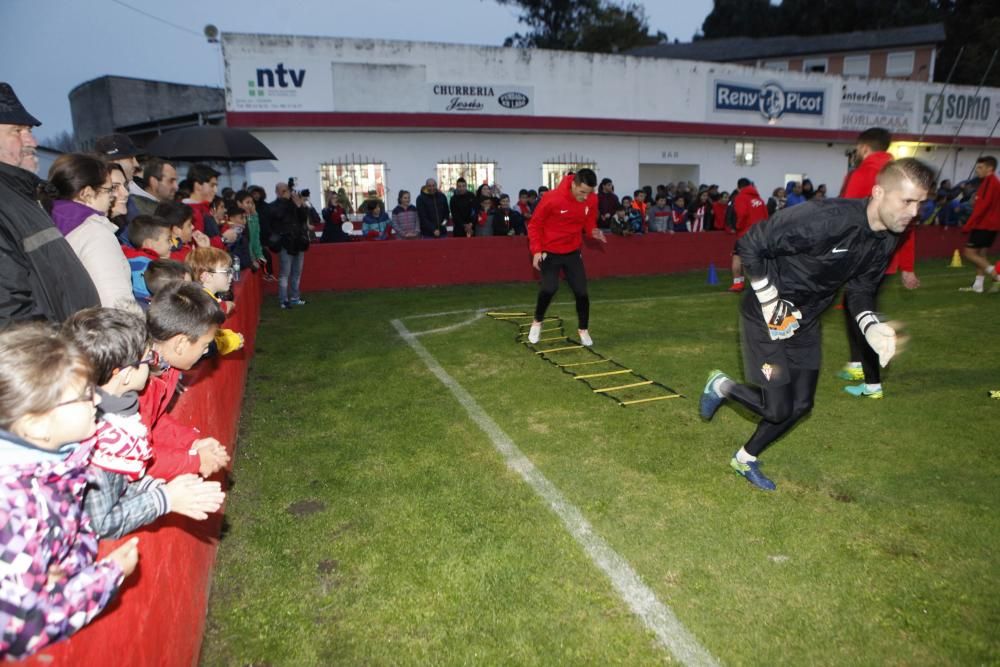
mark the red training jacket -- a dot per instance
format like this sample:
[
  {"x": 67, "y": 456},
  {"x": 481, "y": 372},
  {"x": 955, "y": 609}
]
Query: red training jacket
[
  {"x": 750, "y": 209},
  {"x": 559, "y": 220},
  {"x": 986, "y": 210},
  {"x": 169, "y": 439},
  {"x": 858, "y": 185}
]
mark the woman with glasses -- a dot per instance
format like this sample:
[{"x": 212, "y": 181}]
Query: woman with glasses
[{"x": 84, "y": 193}]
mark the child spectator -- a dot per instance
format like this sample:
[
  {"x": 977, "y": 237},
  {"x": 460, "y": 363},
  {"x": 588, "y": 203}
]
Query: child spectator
[
  {"x": 235, "y": 223},
  {"x": 376, "y": 224},
  {"x": 183, "y": 235},
  {"x": 679, "y": 221},
  {"x": 639, "y": 203},
  {"x": 484, "y": 225},
  {"x": 211, "y": 267},
  {"x": 120, "y": 498},
  {"x": 700, "y": 213},
  {"x": 182, "y": 320},
  {"x": 404, "y": 217},
  {"x": 635, "y": 217},
  {"x": 162, "y": 272},
  {"x": 507, "y": 221},
  {"x": 149, "y": 239},
  {"x": 619, "y": 223},
  {"x": 245, "y": 201},
  {"x": 660, "y": 216},
  {"x": 719, "y": 208},
  {"x": 524, "y": 206},
  {"x": 51, "y": 583}
]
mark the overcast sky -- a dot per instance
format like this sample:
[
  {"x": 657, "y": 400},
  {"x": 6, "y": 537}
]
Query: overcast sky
[{"x": 49, "y": 47}]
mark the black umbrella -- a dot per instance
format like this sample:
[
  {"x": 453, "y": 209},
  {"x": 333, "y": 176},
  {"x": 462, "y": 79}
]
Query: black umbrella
[{"x": 209, "y": 143}]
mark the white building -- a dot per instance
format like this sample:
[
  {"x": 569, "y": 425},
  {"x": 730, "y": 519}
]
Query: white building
[{"x": 363, "y": 114}]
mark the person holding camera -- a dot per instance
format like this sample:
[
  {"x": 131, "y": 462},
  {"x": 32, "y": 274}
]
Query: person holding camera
[{"x": 288, "y": 215}]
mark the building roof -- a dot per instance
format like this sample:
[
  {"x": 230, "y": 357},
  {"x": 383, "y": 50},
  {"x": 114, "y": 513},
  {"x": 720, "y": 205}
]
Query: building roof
[{"x": 732, "y": 49}]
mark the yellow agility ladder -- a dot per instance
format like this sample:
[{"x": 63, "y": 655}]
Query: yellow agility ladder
[{"x": 604, "y": 376}]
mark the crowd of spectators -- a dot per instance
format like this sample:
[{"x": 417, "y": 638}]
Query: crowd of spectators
[
  {"x": 116, "y": 278},
  {"x": 668, "y": 209}
]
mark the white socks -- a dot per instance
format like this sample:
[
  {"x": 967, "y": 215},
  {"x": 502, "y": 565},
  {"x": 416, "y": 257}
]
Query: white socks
[{"x": 743, "y": 457}]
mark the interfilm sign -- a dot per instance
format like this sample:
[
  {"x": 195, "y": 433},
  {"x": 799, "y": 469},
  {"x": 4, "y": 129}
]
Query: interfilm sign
[
  {"x": 770, "y": 100},
  {"x": 481, "y": 99},
  {"x": 865, "y": 104}
]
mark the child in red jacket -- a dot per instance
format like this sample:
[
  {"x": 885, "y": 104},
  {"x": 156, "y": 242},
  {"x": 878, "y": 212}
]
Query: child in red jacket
[{"x": 182, "y": 321}]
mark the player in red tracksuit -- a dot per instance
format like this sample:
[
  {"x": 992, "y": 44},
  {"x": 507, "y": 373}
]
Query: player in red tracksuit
[
  {"x": 984, "y": 223},
  {"x": 872, "y": 149},
  {"x": 555, "y": 237},
  {"x": 750, "y": 209}
]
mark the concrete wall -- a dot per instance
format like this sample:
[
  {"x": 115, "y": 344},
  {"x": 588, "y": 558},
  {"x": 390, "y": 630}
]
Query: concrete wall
[{"x": 109, "y": 102}]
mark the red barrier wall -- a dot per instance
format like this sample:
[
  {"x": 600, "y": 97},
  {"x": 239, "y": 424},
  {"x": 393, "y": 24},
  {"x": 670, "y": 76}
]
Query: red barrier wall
[
  {"x": 451, "y": 261},
  {"x": 158, "y": 618}
]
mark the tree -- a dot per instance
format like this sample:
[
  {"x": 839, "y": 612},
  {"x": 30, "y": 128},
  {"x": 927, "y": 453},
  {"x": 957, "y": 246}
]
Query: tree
[
  {"x": 64, "y": 141},
  {"x": 597, "y": 26},
  {"x": 972, "y": 24}
]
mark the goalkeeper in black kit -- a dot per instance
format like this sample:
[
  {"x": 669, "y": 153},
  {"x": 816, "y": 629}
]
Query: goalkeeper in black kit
[{"x": 796, "y": 262}]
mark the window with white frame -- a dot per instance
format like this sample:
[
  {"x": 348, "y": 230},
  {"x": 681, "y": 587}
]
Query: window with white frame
[
  {"x": 779, "y": 65},
  {"x": 746, "y": 153},
  {"x": 352, "y": 179},
  {"x": 815, "y": 65},
  {"x": 899, "y": 64},
  {"x": 475, "y": 169},
  {"x": 553, "y": 170},
  {"x": 856, "y": 65}
]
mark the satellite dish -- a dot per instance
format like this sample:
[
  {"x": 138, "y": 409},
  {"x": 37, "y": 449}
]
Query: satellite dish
[{"x": 211, "y": 33}]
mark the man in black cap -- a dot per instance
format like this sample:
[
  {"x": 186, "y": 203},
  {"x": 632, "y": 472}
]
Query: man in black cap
[
  {"x": 119, "y": 148},
  {"x": 40, "y": 275}
]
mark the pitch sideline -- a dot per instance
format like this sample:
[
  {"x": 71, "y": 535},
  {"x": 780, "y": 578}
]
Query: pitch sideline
[{"x": 655, "y": 615}]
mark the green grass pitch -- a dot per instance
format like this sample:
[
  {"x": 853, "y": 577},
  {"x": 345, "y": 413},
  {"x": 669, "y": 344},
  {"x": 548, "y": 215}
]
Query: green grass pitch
[{"x": 373, "y": 522}]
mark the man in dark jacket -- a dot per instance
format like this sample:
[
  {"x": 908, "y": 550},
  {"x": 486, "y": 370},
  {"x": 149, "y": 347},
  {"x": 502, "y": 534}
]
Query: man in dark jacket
[
  {"x": 796, "y": 263},
  {"x": 40, "y": 275},
  {"x": 432, "y": 211},
  {"x": 463, "y": 209}
]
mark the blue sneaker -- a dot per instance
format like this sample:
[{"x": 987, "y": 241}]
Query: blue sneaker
[
  {"x": 752, "y": 473},
  {"x": 710, "y": 398},
  {"x": 296, "y": 302}
]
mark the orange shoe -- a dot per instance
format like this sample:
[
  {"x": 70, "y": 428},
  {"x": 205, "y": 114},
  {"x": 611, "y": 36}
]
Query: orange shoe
[{"x": 736, "y": 287}]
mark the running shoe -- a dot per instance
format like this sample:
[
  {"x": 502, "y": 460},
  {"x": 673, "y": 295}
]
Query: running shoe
[
  {"x": 860, "y": 391},
  {"x": 736, "y": 287},
  {"x": 710, "y": 398},
  {"x": 977, "y": 290},
  {"x": 851, "y": 374},
  {"x": 751, "y": 471},
  {"x": 585, "y": 338},
  {"x": 535, "y": 333},
  {"x": 297, "y": 302},
  {"x": 285, "y": 305}
]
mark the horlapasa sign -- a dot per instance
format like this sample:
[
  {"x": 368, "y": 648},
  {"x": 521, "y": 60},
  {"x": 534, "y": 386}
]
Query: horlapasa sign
[
  {"x": 771, "y": 100},
  {"x": 480, "y": 98}
]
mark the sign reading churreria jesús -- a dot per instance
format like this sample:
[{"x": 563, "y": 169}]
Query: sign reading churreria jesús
[
  {"x": 771, "y": 100},
  {"x": 481, "y": 98}
]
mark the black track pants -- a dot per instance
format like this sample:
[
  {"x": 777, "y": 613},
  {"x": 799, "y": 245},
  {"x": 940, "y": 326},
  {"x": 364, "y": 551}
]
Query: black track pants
[
  {"x": 780, "y": 407},
  {"x": 572, "y": 265}
]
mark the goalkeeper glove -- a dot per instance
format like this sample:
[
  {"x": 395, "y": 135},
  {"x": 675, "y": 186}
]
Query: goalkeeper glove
[
  {"x": 781, "y": 316},
  {"x": 880, "y": 336}
]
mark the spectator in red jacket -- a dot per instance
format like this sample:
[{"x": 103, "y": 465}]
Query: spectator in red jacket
[
  {"x": 984, "y": 223},
  {"x": 871, "y": 153},
  {"x": 182, "y": 321},
  {"x": 204, "y": 183},
  {"x": 555, "y": 237},
  {"x": 750, "y": 209}
]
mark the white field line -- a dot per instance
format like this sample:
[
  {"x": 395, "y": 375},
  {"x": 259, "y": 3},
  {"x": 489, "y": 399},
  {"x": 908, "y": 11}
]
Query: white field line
[
  {"x": 655, "y": 615},
  {"x": 530, "y": 308}
]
